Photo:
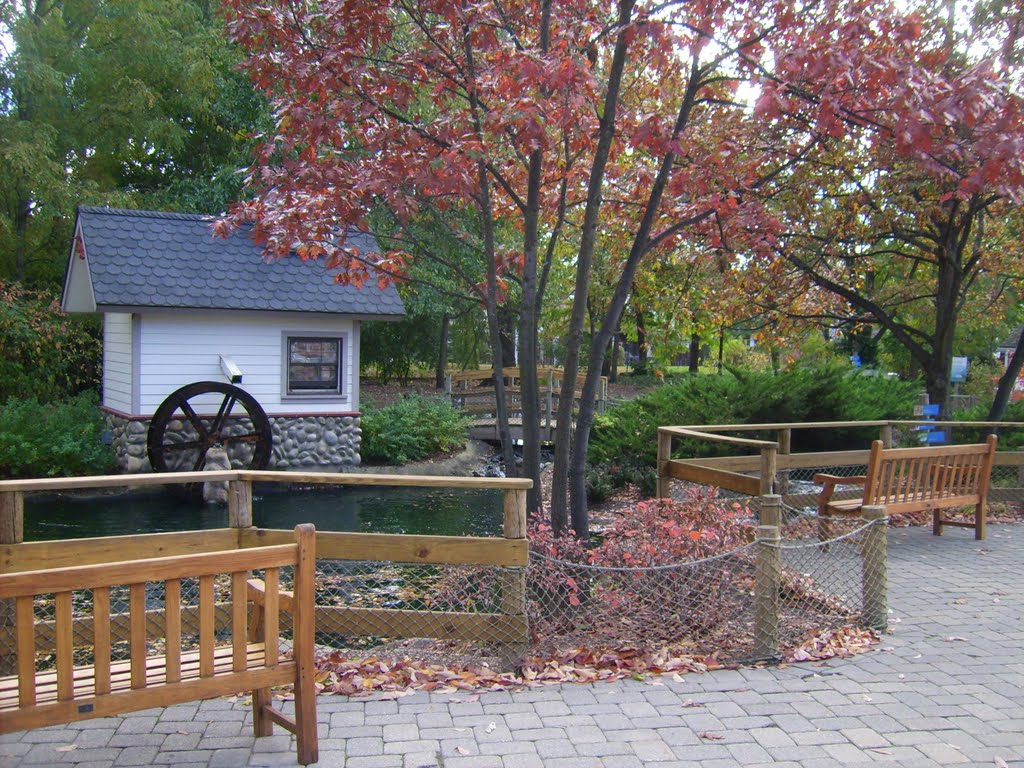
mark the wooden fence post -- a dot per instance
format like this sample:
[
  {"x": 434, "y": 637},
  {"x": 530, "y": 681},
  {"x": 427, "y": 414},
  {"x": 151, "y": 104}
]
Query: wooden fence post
[
  {"x": 12, "y": 531},
  {"x": 239, "y": 503},
  {"x": 874, "y": 569},
  {"x": 513, "y": 587},
  {"x": 768, "y": 467},
  {"x": 513, "y": 581},
  {"x": 886, "y": 436},
  {"x": 664, "y": 456},
  {"x": 785, "y": 437},
  {"x": 767, "y": 580},
  {"x": 770, "y": 510}
]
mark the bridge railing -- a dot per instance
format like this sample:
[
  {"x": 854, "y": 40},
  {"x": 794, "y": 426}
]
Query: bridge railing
[{"x": 474, "y": 393}]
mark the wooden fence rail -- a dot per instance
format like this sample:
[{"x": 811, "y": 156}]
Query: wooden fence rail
[
  {"x": 766, "y": 466},
  {"x": 509, "y": 552}
]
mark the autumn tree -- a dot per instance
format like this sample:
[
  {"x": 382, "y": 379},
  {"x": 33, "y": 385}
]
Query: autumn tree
[
  {"x": 563, "y": 120},
  {"x": 901, "y": 212}
]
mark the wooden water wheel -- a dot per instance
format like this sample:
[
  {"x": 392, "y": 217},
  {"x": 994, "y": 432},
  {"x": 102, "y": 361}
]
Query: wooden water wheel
[{"x": 179, "y": 436}]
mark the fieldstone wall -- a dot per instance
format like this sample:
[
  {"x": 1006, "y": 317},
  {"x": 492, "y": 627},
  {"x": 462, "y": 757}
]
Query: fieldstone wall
[
  {"x": 300, "y": 442},
  {"x": 129, "y": 443},
  {"x": 314, "y": 441}
]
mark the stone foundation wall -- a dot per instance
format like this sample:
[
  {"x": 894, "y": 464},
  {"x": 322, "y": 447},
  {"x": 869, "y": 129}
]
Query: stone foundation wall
[
  {"x": 314, "y": 441},
  {"x": 300, "y": 442}
]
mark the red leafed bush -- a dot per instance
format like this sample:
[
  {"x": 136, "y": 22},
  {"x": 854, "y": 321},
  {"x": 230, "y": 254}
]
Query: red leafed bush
[
  {"x": 667, "y": 532},
  {"x": 648, "y": 580}
]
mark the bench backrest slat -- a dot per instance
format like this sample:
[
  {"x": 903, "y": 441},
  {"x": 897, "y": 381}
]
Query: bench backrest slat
[
  {"x": 101, "y": 638},
  {"x": 65, "y": 646},
  {"x": 172, "y": 629},
  {"x": 908, "y": 476},
  {"x": 137, "y": 633},
  {"x": 25, "y": 615},
  {"x": 239, "y": 613},
  {"x": 271, "y": 625},
  {"x": 207, "y": 626}
]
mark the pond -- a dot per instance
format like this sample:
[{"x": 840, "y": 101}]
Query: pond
[{"x": 380, "y": 509}]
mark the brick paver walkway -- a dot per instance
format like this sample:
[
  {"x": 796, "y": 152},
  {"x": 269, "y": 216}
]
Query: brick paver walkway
[{"x": 946, "y": 688}]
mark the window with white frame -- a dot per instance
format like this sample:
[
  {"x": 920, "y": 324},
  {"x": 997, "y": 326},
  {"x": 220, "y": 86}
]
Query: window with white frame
[{"x": 313, "y": 365}]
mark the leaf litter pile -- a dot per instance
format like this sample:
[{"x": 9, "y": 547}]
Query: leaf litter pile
[{"x": 395, "y": 677}]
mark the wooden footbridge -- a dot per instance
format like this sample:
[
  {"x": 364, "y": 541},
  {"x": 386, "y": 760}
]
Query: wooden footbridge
[{"x": 473, "y": 392}]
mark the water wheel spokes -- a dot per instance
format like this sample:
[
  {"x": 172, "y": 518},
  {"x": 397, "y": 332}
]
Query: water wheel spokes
[{"x": 180, "y": 436}]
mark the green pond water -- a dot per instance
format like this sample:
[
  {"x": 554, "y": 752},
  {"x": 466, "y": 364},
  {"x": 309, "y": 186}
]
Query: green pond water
[{"x": 433, "y": 511}]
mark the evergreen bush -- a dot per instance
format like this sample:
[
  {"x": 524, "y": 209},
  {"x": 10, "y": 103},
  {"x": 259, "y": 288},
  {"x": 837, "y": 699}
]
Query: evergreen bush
[
  {"x": 624, "y": 440},
  {"x": 52, "y": 439},
  {"x": 411, "y": 429}
]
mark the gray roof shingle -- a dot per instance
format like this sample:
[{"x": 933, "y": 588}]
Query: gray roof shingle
[{"x": 160, "y": 259}]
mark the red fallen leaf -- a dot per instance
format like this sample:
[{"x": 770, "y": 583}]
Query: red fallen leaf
[{"x": 711, "y": 736}]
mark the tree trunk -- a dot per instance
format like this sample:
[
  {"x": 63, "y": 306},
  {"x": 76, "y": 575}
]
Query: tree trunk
[
  {"x": 613, "y": 374},
  {"x": 529, "y": 392},
  {"x": 21, "y": 217},
  {"x": 1007, "y": 382},
  {"x": 584, "y": 261},
  {"x": 948, "y": 283},
  {"x": 491, "y": 292},
  {"x": 599, "y": 344},
  {"x": 641, "y": 341},
  {"x": 507, "y": 334},
  {"x": 721, "y": 348},
  {"x": 694, "y": 353},
  {"x": 442, "y": 354}
]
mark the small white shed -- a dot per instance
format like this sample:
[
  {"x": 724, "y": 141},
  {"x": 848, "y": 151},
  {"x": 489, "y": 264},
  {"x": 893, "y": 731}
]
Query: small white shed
[{"x": 182, "y": 306}]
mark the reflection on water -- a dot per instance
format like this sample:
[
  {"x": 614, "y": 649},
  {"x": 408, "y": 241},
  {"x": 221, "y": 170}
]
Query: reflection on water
[{"x": 436, "y": 511}]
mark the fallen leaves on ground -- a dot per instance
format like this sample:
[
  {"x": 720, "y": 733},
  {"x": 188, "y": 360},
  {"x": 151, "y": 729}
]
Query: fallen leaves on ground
[
  {"x": 354, "y": 677},
  {"x": 834, "y": 643}
]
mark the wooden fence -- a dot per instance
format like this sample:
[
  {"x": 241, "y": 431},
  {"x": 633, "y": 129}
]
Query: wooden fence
[
  {"x": 509, "y": 552},
  {"x": 473, "y": 392},
  {"x": 768, "y": 464}
]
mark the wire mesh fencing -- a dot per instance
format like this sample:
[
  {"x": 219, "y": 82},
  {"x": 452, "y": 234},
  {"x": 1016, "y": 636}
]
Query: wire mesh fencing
[
  {"x": 761, "y": 601},
  {"x": 440, "y": 612}
]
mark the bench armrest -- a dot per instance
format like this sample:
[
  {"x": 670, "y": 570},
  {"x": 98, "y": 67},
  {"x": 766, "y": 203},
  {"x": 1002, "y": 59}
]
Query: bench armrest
[
  {"x": 834, "y": 480},
  {"x": 256, "y": 592},
  {"x": 829, "y": 483}
]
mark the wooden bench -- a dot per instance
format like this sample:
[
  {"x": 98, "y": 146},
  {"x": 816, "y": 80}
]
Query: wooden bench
[
  {"x": 932, "y": 479},
  {"x": 192, "y": 657}
]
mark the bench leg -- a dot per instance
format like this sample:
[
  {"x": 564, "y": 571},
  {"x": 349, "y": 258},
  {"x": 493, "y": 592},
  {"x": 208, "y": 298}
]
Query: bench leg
[
  {"x": 305, "y": 721},
  {"x": 262, "y": 725},
  {"x": 936, "y": 522},
  {"x": 824, "y": 529},
  {"x": 979, "y": 520}
]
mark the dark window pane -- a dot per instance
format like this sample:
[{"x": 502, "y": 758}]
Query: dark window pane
[{"x": 314, "y": 365}]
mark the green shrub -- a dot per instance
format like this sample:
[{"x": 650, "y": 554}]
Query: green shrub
[
  {"x": 60, "y": 438},
  {"x": 627, "y": 434},
  {"x": 45, "y": 353},
  {"x": 1010, "y": 438},
  {"x": 411, "y": 429}
]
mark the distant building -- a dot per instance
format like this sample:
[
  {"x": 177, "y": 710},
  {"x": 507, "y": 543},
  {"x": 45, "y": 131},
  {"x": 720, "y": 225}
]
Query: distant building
[{"x": 181, "y": 306}]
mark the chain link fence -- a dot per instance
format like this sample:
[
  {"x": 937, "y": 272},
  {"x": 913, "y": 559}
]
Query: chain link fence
[
  {"x": 761, "y": 601},
  {"x": 721, "y": 607}
]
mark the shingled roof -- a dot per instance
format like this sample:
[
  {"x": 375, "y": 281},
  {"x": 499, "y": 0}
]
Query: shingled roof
[{"x": 139, "y": 259}]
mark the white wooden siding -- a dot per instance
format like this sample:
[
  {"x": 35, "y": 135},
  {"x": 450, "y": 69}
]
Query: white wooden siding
[
  {"x": 179, "y": 349},
  {"x": 117, "y": 361}
]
